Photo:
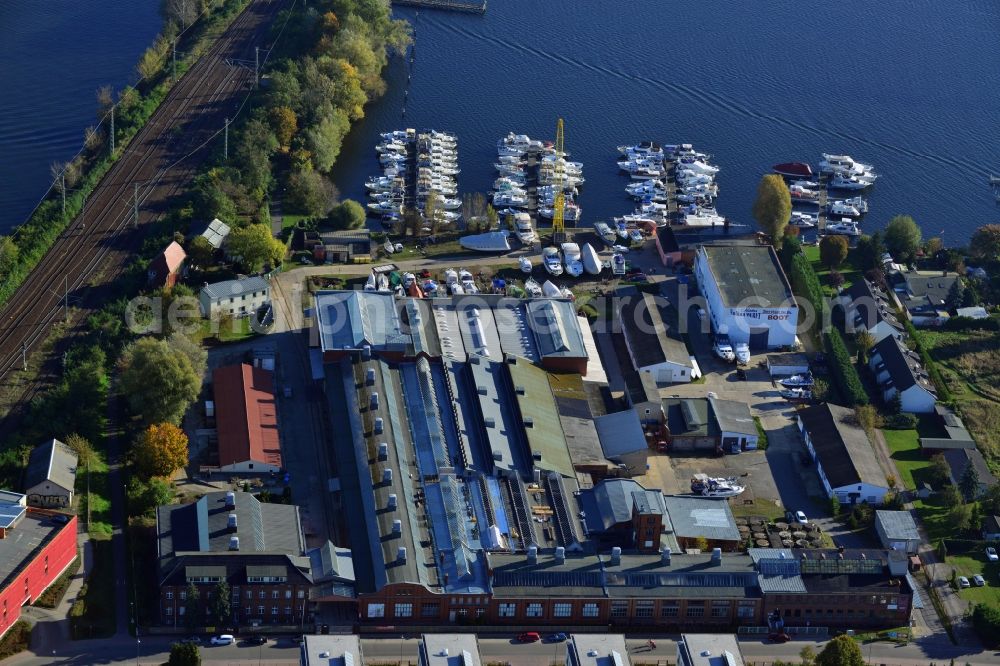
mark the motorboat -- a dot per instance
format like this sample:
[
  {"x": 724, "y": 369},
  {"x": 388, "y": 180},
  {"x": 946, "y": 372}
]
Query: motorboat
[
  {"x": 521, "y": 142},
  {"x": 512, "y": 199},
  {"x": 550, "y": 290},
  {"x": 571, "y": 257},
  {"x": 491, "y": 241},
  {"x": 644, "y": 187},
  {"x": 688, "y": 177},
  {"x": 525, "y": 265},
  {"x": 379, "y": 207},
  {"x": 552, "y": 261},
  {"x": 449, "y": 204},
  {"x": 371, "y": 284},
  {"x": 383, "y": 183},
  {"x": 803, "y": 194},
  {"x": 703, "y": 219},
  {"x": 571, "y": 212},
  {"x": 800, "y": 381},
  {"x": 844, "y": 182},
  {"x": 468, "y": 281},
  {"x": 604, "y": 232},
  {"x": 796, "y": 394},
  {"x": 513, "y": 182},
  {"x": 717, "y": 487},
  {"x": 636, "y": 236},
  {"x": 699, "y": 166},
  {"x": 621, "y": 228},
  {"x": 408, "y": 279},
  {"x": 843, "y": 228},
  {"x": 450, "y": 276},
  {"x": 807, "y": 184},
  {"x": 847, "y": 208},
  {"x": 396, "y": 135},
  {"x": 618, "y": 264},
  {"x": 793, "y": 169},
  {"x": 429, "y": 287},
  {"x": 522, "y": 225},
  {"x": 532, "y": 288},
  {"x": 642, "y": 148},
  {"x": 591, "y": 260},
  {"x": 389, "y": 247},
  {"x": 639, "y": 217},
  {"x": 803, "y": 220},
  {"x": 844, "y": 164}
]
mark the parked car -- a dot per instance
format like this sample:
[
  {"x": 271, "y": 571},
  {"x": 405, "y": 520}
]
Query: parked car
[
  {"x": 979, "y": 580},
  {"x": 229, "y": 639},
  {"x": 256, "y": 640},
  {"x": 963, "y": 582},
  {"x": 778, "y": 637},
  {"x": 558, "y": 637},
  {"x": 991, "y": 554},
  {"x": 797, "y": 517},
  {"x": 529, "y": 637}
]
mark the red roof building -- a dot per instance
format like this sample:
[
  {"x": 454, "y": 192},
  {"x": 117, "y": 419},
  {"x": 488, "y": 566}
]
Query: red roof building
[
  {"x": 246, "y": 419},
  {"x": 166, "y": 267}
]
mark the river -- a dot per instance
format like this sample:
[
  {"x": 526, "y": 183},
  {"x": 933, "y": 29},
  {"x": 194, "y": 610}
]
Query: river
[
  {"x": 912, "y": 86},
  {"x": 54, "y": 55}
]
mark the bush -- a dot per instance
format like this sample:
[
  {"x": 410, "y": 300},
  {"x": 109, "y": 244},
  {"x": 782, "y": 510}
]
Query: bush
[
  {"x": 902, "y": 421},
  {"x": 970, "y": 324},
  {"x": 54, "y": 593},
  {"x": 944, "y": 395},
  {"x": 16, "y": 639},
  {"x": 806, "y": 284},
  {"x": 845, "y": 375},
  {"x": 986, "y": 621}
]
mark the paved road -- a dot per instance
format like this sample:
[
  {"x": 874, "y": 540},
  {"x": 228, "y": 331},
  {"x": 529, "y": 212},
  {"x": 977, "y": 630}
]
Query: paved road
[{"x": 155, "y": 650}]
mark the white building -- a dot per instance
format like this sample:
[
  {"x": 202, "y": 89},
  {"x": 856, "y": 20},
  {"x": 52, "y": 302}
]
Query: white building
[
  {"x": 898, "y": 372},
  {"x": 845, "y": 459},
  {"x": 897, "y": 530},
  {"x": 747, "y": 294},
  {"x": 868, "y": 308},
  {"x": 709, "y": 650},
  {"x": 216, "y": 233},
  {"x": 51, "y": 475},
  {"x": 236, "y": 298},
  {"x": 449, "y": 650},
  {"x": 652, "y": 350}
]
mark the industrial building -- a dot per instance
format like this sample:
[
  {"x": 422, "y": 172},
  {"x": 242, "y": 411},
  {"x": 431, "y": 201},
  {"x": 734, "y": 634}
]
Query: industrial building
[
  {"x": 246, "y": 419},
  {"x": 651, "y": 347},
  {"x": 747, "y": 295},
  {"x": 709, "y": 650},
  {"x": 51, "y": 475}
]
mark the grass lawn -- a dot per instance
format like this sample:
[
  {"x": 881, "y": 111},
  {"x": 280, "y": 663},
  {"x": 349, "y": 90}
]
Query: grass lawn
[
  {"x": 95, "y": 505},
  {"x": 848, "y": 269},
  {"x": 970, "y": 564},
  {"x": 289, "y": 220},
  {"x": 934, "y": 515},
  {"x": 759, "y": 509},
  {"x": 906, "y": 454}
]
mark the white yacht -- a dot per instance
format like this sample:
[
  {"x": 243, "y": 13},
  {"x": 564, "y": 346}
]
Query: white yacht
[
  {"x": 844, "y": 182},
  {"x": 522, "y": 225},
  {"x": 525, "y": 265},
  {"x": 803, "y": 220},
  {"x": 512, "y": 199},
  {"x": 604, "y": 232},
  {"x": 845, "y": 227},
  {"x": 844, "y": 164},
  {"x": 532, "y": 288},
  {"x": 571, "y": 257},
  {"x": 550, "y": 290},
  {"x": 699, "y": 166},
  {"x": 521, "y": 142},
  {"x": 847, "y": 207},
  {"x": 571, "y": 212},
  {"x": 552, "y": 261},
  {"x": 591, "y": 260},
  {"x": 468, "y": 281}
]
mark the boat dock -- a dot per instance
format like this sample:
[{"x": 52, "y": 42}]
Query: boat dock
[
  {"x": 824, "y": 195},
  {"x": 470, "y": 6}
]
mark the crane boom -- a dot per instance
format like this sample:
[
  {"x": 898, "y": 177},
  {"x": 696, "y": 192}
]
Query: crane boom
[{"x": 559, "y": 203}]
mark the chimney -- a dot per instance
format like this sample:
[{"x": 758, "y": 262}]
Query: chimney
[
  {"x": 616, "y": 556},
  {"x": 234, "y": 543},
  {"x": 383, "y": 450},
  {"x": 370, "y": 376},
  {"x": 665, "y": 557},
  {"x": 391, "y": 505},
  {"x": 387, "y": 475},
  {"x": 401, "y": 554},
  {"x": 397, "y": 526},
  {"x": 717, "y": 557},
  {"x": 230, "y": 500},
  {"x": 533, "y": 554},
  {"x": 781, "y": 555},
  {"x": 560, "y": 555},
  {"x": 446, "y": 578},
  {"x": 366, "y": 352},
  {"x": 536, "y": 475},
  {"x": 231, "y": 523}
]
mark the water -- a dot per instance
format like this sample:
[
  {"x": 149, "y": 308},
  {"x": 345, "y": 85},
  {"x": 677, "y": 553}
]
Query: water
[
  {"x": 912, "y": 86},
  {"x": 54, "y": 55}
]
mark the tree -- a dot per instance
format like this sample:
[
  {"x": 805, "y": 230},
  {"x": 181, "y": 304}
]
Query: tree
[
  {"x": 902, "y": 238},
  {"x": 990, "y": 501},
  {"x": 200, "y": 251},
  {"x": 324, "y": 139},
  {"x": 773, "y": 207},
  {"x": 285, "y": 124},
  {"x": 836, "y": 278},
  {"x": 864, "y": 341},
  {"x": 161, "y": 450},
  {"x": 192, "y": 606},
  {"x": 869, "y": 251},
  {"x": 986, "y": 621},
  {"x": 789, "y": 248},
  {"x": 348, "y": 214},
  {"x": 985, "y": 243},
  {"x": 184, "y": 654},
  {"x": 960, "y": 517},
  {"x": 310, "y": 193},
  {"x": 221, "y": 606},
  {"x": 833, "y": 250},
  {"x": 807, "y": 655},
  {"x": 956, "y": 294},
  {"x": 492, "y": 218},
  {"x": 84, "y": 450},
  {"x": 969, "y": 483},
  {"x": 143, "y": 497},
  {"x": 868, "y": 417},
  {"x": 431, "y": 210},
  {"x": 951, "y": 497},
  {"x": 158, "y": 380},
  {"x": 181, "y": 12},
  {"x": 152, "y": 59},
  {"x": 254, "y": 246},
  {"x": 933, "y": 246},
  {"x": 841, "y": 651},
  {"x": 942, "y": 550},
  {"x": 8, "y": 255}
]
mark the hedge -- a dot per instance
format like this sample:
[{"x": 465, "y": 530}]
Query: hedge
[
  {"x": 806, "y": 284},
  {"x": 943, "y": 394},
  {"x": 986, "y": 621},
  {"x": 54, "y": 593},
  {"x": 970, "y": 324},
  {"x": 15, "y": 640},
  {"x": 904, "y": 421},
  {"x": 842, "y": 368}
]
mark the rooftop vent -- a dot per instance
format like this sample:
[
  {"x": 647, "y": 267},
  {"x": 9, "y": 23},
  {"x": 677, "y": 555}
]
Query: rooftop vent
[
  {"x": 401, "y": 554},
  {"x": 529, "y": 422},
  {"x": 374, "y": 401},
  {"x": 231, "y": 523},
  {"x": 387, "y": 476},
  {"x": 665, "y": 557},
  {"x": 391, "y": 505},
  {"x": 366, "y": 352},
  {"x": 560, "y": 554},
  {"x": 616, "y": 556},
  {"x": 397, "y": 526},
  {"x": 234, "y": 543},
  {"x": 230, "y": 500},
  {"x": 533, "y": 554},
  {"x": 383, "y": 450},
  {"x": 370, "y": 376},
  {"x": 498, "y": 456},
  {"x": 519, "y": 390},
  {"x": 716, "y": 556},
  {"x": 481, "y": 389},
  {"x": 378, "y": 426},
  {"x": 490, "y": 422}
]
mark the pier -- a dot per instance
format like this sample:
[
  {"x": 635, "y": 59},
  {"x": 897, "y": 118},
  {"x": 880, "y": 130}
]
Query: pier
[
  {"x": 824, "y": 196},
  {"x": 452, "y": 5}
]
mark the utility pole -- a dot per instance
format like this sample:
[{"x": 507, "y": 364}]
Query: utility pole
[
  {"x": 112, "y": 130},
  {"x": 135, "y": 205},
  {"x": 256, "y": 65},
  {"x": 24, "y": 356},
  {"x": 66, "y": 297},
  {"x": 175, "y": 58},
  {"x": 225, "y": 144},
  {"x": 62, "y": 187}
]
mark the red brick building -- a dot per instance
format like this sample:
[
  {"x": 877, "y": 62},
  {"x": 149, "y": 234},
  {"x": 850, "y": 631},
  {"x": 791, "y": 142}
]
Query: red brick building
[{"x": 35, "y": 549}]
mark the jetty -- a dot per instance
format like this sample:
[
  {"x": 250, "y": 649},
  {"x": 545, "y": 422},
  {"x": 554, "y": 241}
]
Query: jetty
[
  {"x": 822, "y": 216},
  {"x": 453, "y": 5}
]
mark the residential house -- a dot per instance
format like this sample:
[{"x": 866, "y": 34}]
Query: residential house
[
  {"x": 955, "y": 434},
  {"x": 897, "y": 530},
  {"x": 650, "y": 346},
  {"x": 868, "y": 308},
  {"x": 622, "y": 438},
  {"x": 959, "y": 461},
  {"x": 166, "y": 267},
  {"x": 923, "y": 294},
  {"x": 340, "y": 247},
  {"x": 843, "y": 455},
  {"x": 246, "y": 419},
  {"x": 51, "y": 475},
  {"x": 898, "y": 372},
  {"x": 216, "y": 233},
  {"x": 991, "y": 528},
  {"x": 235, "y": 298}
]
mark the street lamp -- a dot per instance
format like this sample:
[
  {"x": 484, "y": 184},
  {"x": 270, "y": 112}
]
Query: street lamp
[{"x": 137, "y": 643}]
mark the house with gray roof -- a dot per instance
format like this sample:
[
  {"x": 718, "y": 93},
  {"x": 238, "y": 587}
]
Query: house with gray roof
[
  {"x": 51, "y": 475},
  {"x": 694, "y": 518},
  {"x": 898, "y": 372},
  {"x": 845, "y": 459},
  {"x": 959, "y": 461},
  {"x": 622, "y": 437},
  {"x": 216, "y": 233},
  {"x": 923, "y": 294},
  {"x": 235, "y": 298},
  {"x": 650, "y": 345},
  {"x": 737, "y": 429},
  {"x": 897, "y": 530},
  {"x": 868, "y": 308},
  {"x": 557, "y": 334}
]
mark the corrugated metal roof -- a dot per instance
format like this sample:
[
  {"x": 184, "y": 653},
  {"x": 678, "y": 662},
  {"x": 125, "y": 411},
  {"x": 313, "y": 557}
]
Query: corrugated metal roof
[
  {"x": 555, "y": 327},
  {"x": 620, "y": 433},
  {"x": 216, "y": 232},
  {"x": 353, "y": 319},
  {"x": 897, "y": 524},
  {"x": 541, "y": 418},
  {"x": 52, "y": 461},
  {"x": 246, "y": 415}
]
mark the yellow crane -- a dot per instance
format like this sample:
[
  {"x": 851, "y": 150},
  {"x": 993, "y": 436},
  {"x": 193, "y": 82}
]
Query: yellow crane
[{"x": 559, "y": 204}]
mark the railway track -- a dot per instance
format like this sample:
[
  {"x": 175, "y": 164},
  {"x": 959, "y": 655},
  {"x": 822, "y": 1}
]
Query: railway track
[{"x": 94, "y": 249}]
